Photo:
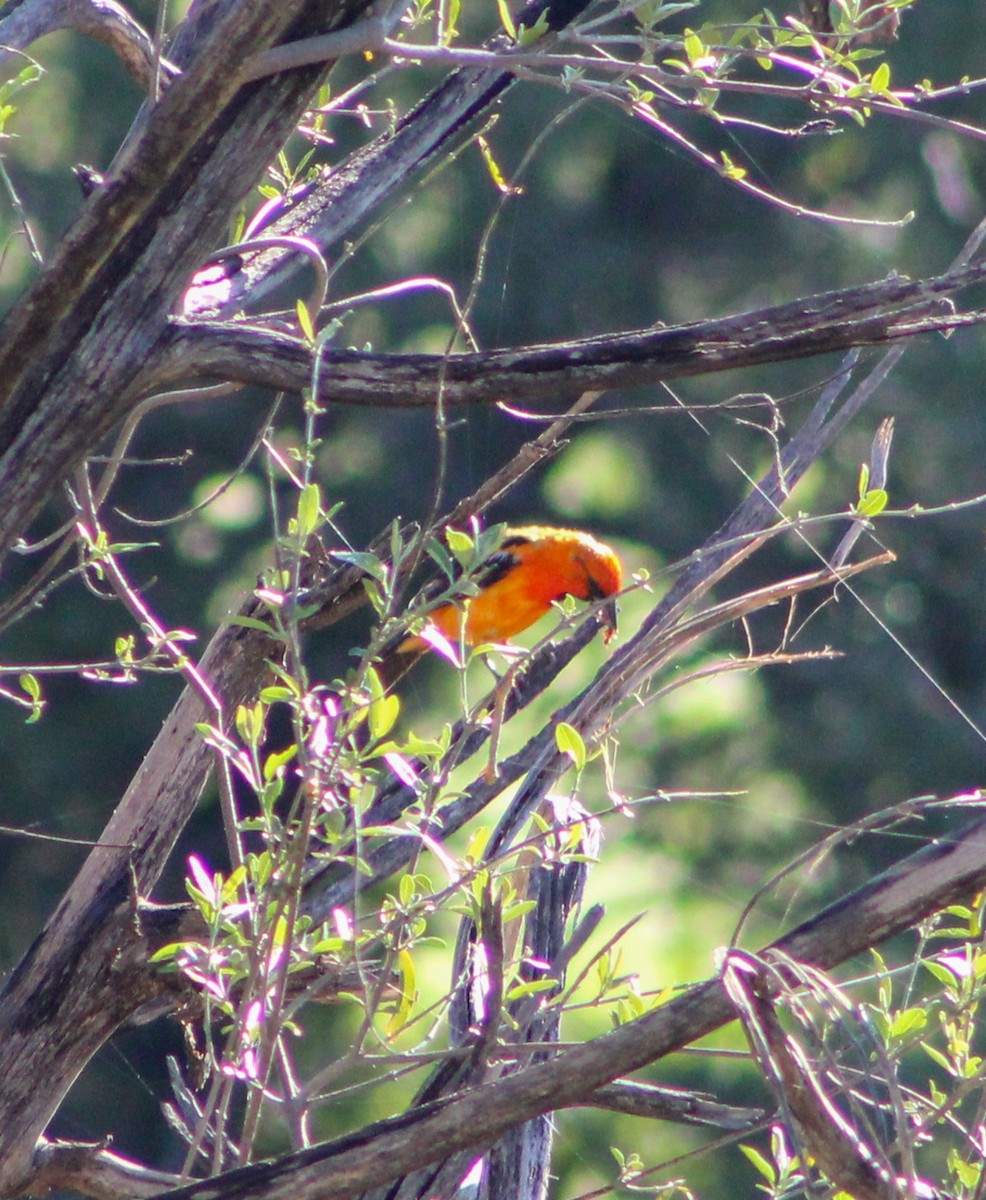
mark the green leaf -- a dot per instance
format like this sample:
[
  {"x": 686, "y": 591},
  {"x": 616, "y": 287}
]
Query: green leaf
[
  {"x": 478, "y": 843},
  {"x": 329, "y": 945},
  {"x": 251, "y": 623},
  {"x": 29, "y": 684},
  {"x": 382, "y": 716},
  {"x": 499, "y": 180},
  {"x": 506, "y": 20},
  {"x": 305, "y": 321},
  {"x": 514, "y": 911},
  {"x": 32, "y": 688},
  {"x": 374, "y": 684},
  {"x": 907, "y": 1021},
  {"x": 309, "y": 509},
  {"x": 451, "y": 22},
  {"x": 365, "y": 561},
  {"x": 569, "y": 741},
  {"x": 250, "y": 723},
  {"x": 30, "y": 74},
  {"x": 944, "y": 976},
  {"x": 694, "y": 47},
  {"x": 965, "y": 1172},
  {"x": 419, "y": 747},
  {"x": 528, "y": 34},
  {"x": 873, "y": 503},
  {"x": 278, "y": 761},
  {"x": 880, "y": 80},
  {"x": 765, "y": 1168},
  {"x": 405, "y": 964},
  {"x": 459, "y": 542},
  {"x": 730, "y": 169},
  {"x": 532, "y": 988},
  {"x": 166, "y": 953},
  {"x": 285, "y": 677},
  {"x": 938, "y": 1057},
  {"x": 232, "y": 885}
]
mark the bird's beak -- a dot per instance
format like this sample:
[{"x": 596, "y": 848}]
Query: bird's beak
[
  {"x": 607, "y": 611},
  {"x": 608, "y": 614}
]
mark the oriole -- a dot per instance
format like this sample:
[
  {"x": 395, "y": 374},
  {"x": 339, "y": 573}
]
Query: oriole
[{"x": 534, "y": 566}]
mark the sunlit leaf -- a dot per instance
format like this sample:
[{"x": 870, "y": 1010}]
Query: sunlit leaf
[{"x": 569, "y": 741}]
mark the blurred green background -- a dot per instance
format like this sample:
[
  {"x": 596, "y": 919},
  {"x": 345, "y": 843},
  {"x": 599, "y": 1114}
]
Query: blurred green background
[{"x": 614, "y": 229}]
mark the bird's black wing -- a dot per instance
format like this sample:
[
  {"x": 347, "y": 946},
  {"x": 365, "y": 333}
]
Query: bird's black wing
[{"x": 499, "y": 564}]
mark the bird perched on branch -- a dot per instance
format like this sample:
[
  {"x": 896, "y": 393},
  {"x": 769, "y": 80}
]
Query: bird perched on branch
[{"x": 534, "y": 566}]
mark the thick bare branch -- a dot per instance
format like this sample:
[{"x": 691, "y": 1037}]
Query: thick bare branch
[{"x": 875, "y": 314}]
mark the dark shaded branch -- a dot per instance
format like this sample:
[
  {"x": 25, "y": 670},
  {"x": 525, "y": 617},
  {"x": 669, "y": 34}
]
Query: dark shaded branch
[{"x": 874, "y": 314}]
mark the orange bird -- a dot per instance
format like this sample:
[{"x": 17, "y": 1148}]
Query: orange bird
[{"x": 534, "y": 566}]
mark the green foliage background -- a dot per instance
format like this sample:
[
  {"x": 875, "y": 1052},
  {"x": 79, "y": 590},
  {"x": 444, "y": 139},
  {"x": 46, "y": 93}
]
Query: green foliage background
[{"x": 614, "y": 229}]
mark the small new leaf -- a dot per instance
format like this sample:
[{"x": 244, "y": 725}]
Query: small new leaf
[
  {"x": 459, "y": 542},
  {"x": 382, "y": 715},
  {"x": 730, "y": 169},
  {"x": 528, "y": 34},
  {"x": 694, "y": 47},
  {"x": 873, "y": 503},
  {"x": 305, "y": 322},
  {"x": 569, "y": 741},
  {"x": 408, "y": 987},
  {"x": 492, "y": 166},
  {"x": 760, "y": 1163},
  {"x": 309, "y": 509},
  {"x": 880, "y": 80},
  {"x": 506, "y": 19}
]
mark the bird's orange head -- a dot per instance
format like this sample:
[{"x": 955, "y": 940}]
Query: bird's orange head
[{"x": 566, "y": 562}]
